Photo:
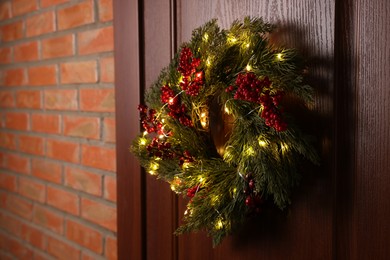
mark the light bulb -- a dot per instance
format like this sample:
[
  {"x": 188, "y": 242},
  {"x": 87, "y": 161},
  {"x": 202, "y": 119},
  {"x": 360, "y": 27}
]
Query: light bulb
[
  {"x": 279, "y": 56},
  {"x": 248, "y": 67}
]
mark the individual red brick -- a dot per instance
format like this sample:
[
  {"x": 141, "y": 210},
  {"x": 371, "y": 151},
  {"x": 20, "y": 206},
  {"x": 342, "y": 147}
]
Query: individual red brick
[
  {"x": 20, "y": 7},
  {"x": 97, "y": 100},
  {"x": 109, "y": 129},
  {"x": 17, "y": 163},
  {"x": 99, "y": 157},
  {"x": 81, "y": 126},
  {"x": 40, "y": 24},
  {"x": 46, "y": 170},
  {"x": 5, "y": 10},
  {"x": 20, "y": 251},
  {"x": 5, "y": 55},
  {"x": 78, "y": 72},
  {"x": 98, "y": 40},
  {"x": 26, "y": 52},
  {"x": 6, "y": 99},
  {"x": 28, "y": 99},
  {"x": 110, "y": 188},
  {"x": 13, "y": 77},
  {"x": 99, "y": 213},
  {"x": 75, "y": 15},
  {"x": 63, "y": 150},
  {"x": 12, "y": 31},
  {"x": 105, "y": 10},
  {"x": 7, "y": 140},
  {"x": 56, "y": 47},
  {"x": 111, "y": 248},
  {"x": 33, "y": 236},
  {"x": 63, "y": 200},
  {"x": 47, "y": 218},
  {"x": 45, "y": 123},
  {"x": 61, "y": 99},
  {"x": 31, "y": 144},
  {"x": 107, "y": 69},
  {"x": 7, "y": 182},
  {"x": 61, "y": 250},
  {"x": 47, "y": 3},
  {"x": 42, "y": 75},
  {"x": 18, "y": 206},
  {"x": 83, "y": 180},
  {"x": 41, "y": 256},
  {"x": 84, "y": 236},
  {"x": 31, "y": 189},
  {"x": 11, "y": 224},
  {"x": 16, "y": 120}
]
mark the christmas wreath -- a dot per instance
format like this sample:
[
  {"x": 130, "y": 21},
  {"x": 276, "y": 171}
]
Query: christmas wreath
[{"x": 251, "y": 80}]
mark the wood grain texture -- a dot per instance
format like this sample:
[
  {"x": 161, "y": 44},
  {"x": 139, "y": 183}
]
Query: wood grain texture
[
  {"x": 160, "y": 200},
  {"x": 306, "y": 231},
  {"x": 373, "y": 130},
  {"x": 130, "y": 209}
]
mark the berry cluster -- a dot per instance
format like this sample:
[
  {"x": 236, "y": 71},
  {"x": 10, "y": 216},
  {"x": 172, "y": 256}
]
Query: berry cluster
[
  {"x": 160, "y": 149},
  {"x": 191, "y": 192},
  {"x": 149, "y": 120},
  {"x": 176, "y": 109},
  {"x": 271, "y": 113},
  {"x": 253, "y": 199},
  {"x": 192, "y": 79},
  {"x": 186, "y": 158},
  {"x": 252, "y": 89},
  {"x": 249, "y": 87}
]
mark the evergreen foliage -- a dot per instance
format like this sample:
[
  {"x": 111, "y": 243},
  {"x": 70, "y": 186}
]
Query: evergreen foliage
[{"x": 260, "y": 159}]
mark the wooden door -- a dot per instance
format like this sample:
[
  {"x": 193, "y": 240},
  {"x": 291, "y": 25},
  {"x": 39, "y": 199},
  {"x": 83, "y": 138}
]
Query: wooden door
[{"x": 333, "y": 208}]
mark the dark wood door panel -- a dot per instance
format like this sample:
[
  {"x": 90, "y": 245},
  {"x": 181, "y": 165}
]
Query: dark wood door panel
[{"x": 305, "y": 232}]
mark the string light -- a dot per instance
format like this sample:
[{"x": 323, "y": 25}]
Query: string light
[
  {"x": 232, "y": 39},
  {"x": 250, "y": 151},
  {"x": 284, "y": 147},
  {"x": 161, "y": 136},
  {"x": 145, "y": 133},
  {"x": 204, "y": 119},
  {"x": 170, "y": 101},
  {"x": 227, "y": 110},
  {"x": 262, "y": 143},
  {"x": 205, "y": 37},
  {"x": 248, "y": 67},
  {"x": 279, "y": 56},
  {"x": 186, "y": 165},
  {"x": 173, "y": 188},
  {"x": 219, "y": 224},
  {"x": 208, "y": 62},
  {"x": 142, "y": 141},
  {"x": 247, "y": 45}
]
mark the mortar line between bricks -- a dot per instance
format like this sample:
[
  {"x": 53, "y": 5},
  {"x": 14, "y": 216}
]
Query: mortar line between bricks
[
  {"x": 61, "y": 237},
  {"x": 64, "y": 214},
  {"x": 58, "y": 60}
]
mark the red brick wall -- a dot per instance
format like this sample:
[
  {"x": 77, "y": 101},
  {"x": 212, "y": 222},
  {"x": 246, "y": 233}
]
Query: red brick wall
[{"x": 57, "y": 130}]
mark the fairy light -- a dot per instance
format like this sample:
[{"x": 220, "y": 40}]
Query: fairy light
[
  {"x": 227, "y": 110},
  {"x": 262, "y": 143},
  {"x": 247, "y": 45},
  {"x": 201, "y": 179},
  {"x": 199, "y": 74},
  {"x": 142, "y": 141},
  {"x": 145, "y": 133},
  {"x": 152, "y": 172},
  {"x": 161, "y": 136},
  {"x": 248, "y": 67},
  {"x": 204, "y": 119},
  {"x": 186, "y": 165},
  {"x": 219, "y": 224},
  {"x": 205, "y": 37},
  {"x": 279, "y": 56},
  {"x": 170, "y": 101},
  {"x": 208, "y": 62},
  {"x": 232, "y": 39},
  {"x": 250, "y": 151},
  {"x": 173, "y": 188},
  {"x": 284, "y": 147}
]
